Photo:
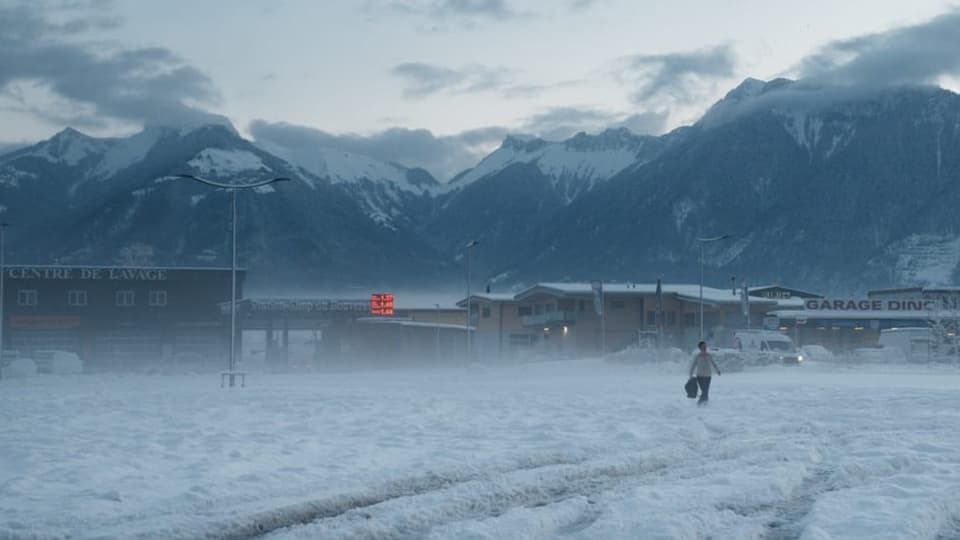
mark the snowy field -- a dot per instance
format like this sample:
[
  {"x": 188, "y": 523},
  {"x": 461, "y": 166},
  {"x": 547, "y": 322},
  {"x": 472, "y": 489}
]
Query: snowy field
[{"x": 555, "y": 450}]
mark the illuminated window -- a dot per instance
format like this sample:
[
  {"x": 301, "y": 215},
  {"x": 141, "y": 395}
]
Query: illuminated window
[{"x": 77, "y": 298}]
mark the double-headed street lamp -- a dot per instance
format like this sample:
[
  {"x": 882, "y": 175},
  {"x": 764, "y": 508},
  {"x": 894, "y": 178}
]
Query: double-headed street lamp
[
  {"x": 233, "y": 188},
  {"x": 470, "y": 245},
  {"x": 700, "y": 243}
]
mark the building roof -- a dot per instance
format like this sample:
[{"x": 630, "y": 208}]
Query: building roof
[
  {"x": 401, "y": 321},
  {"x": 489, "y": 297},
  {"x": 684, "y": 292},
  {"x": 791, "y": 290},
  {"x": 829, "y": 314}
]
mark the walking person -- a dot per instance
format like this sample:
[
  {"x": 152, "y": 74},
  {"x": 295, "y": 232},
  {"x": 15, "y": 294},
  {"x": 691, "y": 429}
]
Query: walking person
[{"x": 703, "y": 367}]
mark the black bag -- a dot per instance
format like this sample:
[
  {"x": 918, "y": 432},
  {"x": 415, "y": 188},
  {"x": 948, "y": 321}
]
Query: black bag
[{"x": 691, "y": 387}]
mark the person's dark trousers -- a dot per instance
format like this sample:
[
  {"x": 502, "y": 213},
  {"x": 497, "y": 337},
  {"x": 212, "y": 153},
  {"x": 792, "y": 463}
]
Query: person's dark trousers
[{"x": 704, "y": 383}]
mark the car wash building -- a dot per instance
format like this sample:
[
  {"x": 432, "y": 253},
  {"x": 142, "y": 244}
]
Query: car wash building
[{"x": 119, "y": 318}]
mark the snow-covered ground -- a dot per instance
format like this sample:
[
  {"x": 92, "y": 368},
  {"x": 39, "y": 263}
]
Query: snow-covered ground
[{"x": 578, "y": 449}]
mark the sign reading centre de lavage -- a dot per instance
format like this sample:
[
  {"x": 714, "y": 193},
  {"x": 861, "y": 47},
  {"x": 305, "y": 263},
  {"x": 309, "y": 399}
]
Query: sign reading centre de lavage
[
  {"x": 91, "y": 273},
  {"x": 820, "y": 304}
]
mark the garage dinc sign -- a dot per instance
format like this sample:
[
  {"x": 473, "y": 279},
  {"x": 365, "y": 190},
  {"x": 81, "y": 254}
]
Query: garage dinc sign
[{"x": 820, "y": 304}]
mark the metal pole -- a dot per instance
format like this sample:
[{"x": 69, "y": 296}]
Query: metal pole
[
  {"x": 469, "y": 303},
  {"x": 233, "y": 292},
  {"x": 700, "y": 245},
  {"x": 603, "y": 324},
  {"x": 3, "y": 276}
]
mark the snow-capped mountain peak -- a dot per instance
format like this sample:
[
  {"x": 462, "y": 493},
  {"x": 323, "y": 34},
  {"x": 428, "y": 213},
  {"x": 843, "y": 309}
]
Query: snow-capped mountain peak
[
  {"x": 574, "y": 165},
  {"x": 68, "y": 147}
]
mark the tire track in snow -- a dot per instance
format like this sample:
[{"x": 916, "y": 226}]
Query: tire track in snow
[
  {"x": 414, "y": 516},
  {"x": 951, "y": 531},
  {"x": 265, "y": 522},
  {"x": 787, "y": 522}
]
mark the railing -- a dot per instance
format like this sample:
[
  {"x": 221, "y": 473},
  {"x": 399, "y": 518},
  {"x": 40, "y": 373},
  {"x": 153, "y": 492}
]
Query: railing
[{"x": 552, "y": 317}]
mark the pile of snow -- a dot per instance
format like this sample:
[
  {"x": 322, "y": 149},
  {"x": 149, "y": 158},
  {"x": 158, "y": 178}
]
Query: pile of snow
[{"x": 18, "y": 368}]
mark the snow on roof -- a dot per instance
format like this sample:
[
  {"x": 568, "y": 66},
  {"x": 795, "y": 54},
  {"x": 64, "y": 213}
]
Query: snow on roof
[
  {"x": 400, "y": 321},
  {"x": 828, "y": 314},
  {"x": 682, "y": 291},
  {"x": 490, "y": 297}
]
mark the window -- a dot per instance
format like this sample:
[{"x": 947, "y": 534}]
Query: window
[
  {"x": 581, "y": 306},
  {"x": 77, "y": 298},
  {"x": 124, "y": 298},
  {"x": 523, "y": 311},
  {"x": 158, "y": 298},
  {"x": 617, "y": 304},
  {"x": 27, "y": 297},
  {"x": 651, "y": 318},
  {"x": 671, "y": 318},
  {"x": 486, "y": 312}
]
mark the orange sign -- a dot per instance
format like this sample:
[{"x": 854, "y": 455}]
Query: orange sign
[{"x": 381, "y": 304}]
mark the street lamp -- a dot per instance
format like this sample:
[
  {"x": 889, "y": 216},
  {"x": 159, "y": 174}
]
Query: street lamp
[
  {"x": 3, "y": 275},
  {"x": 436, "y": 348},
  {"x": 470, "y": 245},
  {"x": 700, "y": 243},
  {"x": 233, "y": 188}
]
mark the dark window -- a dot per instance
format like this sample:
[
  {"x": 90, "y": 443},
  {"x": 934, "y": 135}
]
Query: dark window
[
  {"x": 651, "y": 318},
  {"x": 671, "y": 318},
  {"x": 27, "y": 297},
  {"x": 124, "y": 298},
  {"x": 616, "y": 304},
  {"x": 77, "y": 298},
  {"x": 486, "y": 312},
  {"x": 158, "y": 298},
  {"x": 523, "y": 311},
  {"x": 581, "y": 306}
]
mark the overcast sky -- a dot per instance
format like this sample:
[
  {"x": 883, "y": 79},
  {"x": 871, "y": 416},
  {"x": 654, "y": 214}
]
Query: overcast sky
[{"x": 436, "y": 83}]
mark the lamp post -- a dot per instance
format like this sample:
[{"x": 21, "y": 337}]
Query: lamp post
[
  {"x": 233, "y": 188},
  {"x": 436, "y": 347},
  {"x": 3, "y": 276},
  {"x": 700, "y": 243},
  {"x": 470, "y": 245}
]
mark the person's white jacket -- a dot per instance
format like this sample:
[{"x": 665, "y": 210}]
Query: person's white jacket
[{"x": 703, "y": 365}]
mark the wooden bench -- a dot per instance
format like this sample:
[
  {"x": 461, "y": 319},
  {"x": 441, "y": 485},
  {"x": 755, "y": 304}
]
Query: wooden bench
[{"x": 232, "y": 376}]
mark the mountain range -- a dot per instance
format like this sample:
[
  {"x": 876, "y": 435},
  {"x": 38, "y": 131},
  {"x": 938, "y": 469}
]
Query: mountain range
[{"x": 822, "y": 188}]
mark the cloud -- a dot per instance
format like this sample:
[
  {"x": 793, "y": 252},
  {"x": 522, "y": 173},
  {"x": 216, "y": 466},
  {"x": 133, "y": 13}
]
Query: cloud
[
  {"x": 443, "y": 156},
  {"x": 7, "y": 147},
  {"x": 42, "y": 50},
  {"x": 443, "y": 10},
  {"x": 427, "y": 79},
  {"x": 916, "y": 54},
  {"x": 646, "y": 123},
  {"x": 680, "y": 78},
  {"x": 561, "y": 123}
]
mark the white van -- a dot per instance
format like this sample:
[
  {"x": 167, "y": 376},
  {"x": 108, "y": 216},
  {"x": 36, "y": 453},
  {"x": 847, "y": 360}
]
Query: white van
[
  {"x": 914, "y": 343},
  {"x": 767, "y": 347}
]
